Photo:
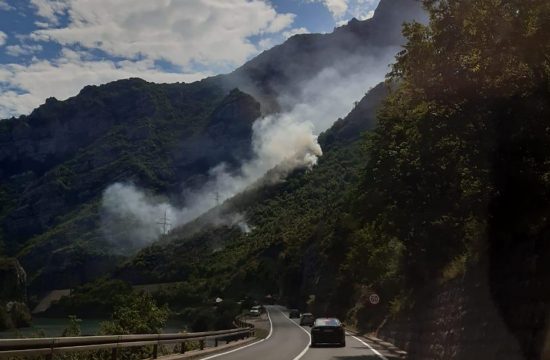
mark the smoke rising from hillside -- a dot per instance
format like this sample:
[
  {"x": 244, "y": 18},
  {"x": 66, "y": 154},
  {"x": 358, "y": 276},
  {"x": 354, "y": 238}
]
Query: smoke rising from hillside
[{"x": 287, "y": 141}]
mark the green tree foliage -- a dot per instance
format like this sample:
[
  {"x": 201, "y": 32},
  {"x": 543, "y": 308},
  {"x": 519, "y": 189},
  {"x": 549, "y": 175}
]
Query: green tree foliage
[
  {"x": 460, "y": 79},
  {"x": 92, "y": 300},
  {"x": 74, "y": 327},
  {"x": 139, "y": 315},
  {"x": 459, "y": 164},
  {"x": 433, "y": 191}
]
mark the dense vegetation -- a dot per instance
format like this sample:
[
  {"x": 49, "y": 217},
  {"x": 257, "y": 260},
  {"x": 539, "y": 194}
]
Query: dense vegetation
[
  {"x": 56, "y": 162},
  {"x": 129, "y": 131},
  {"x": 459, "y": 164},
  {"x": 454, "y": 177},
  {"x": 296, "y": 228},
  {"x": 468, "y": 117}
]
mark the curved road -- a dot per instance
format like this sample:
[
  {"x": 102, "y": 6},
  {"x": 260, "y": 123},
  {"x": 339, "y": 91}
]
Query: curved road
[{"x": 288, "y": 340}]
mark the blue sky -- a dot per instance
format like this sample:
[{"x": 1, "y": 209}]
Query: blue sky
[{"x": 55, "y": 47}]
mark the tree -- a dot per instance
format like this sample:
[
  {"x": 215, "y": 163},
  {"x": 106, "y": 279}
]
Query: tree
[{"x": 140, "y": 315}]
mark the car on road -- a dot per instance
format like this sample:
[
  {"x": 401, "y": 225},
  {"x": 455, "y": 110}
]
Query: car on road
[
  {"x": 294, "y": 313},
  {"x": 307, "y": 319},
  {"x": 260, "y": 308},
  {"x": 254, "y": 312},
  {"x": 328, "y": 331}
]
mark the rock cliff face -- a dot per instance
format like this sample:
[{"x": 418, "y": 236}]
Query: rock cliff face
[
  {"x": 456, "y": 320},
  {"x": 13, "y": 295},
  {"x": 13, "y": 281}
]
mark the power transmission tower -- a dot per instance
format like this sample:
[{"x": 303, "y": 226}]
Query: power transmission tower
[
  {"x": 217, "y": 198},
  {"x": 165, "y": 222}
]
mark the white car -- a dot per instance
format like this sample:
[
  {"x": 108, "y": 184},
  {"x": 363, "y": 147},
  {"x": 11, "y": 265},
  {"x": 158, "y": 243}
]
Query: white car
[{"x": 254, "y": 312}]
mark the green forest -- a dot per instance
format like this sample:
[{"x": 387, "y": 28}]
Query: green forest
[
  {"x": 453, "y": 178},
  {"x": 438, "y": 174}
]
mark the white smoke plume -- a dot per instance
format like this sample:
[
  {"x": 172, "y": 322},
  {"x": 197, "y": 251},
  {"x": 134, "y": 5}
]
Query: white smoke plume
[{"x": 287, "y": 140}]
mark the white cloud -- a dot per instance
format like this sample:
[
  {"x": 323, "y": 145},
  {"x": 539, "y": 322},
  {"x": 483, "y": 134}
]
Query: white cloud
[
  {"x": 3, "y": 38},
  {"x": 65, "y": 76},
  {"x": 340, "y": 9},
  {"x": 336, "y": 7},
  {"x": 42, "y": 24},
  {"x": 18, "y": 50},
  {"x": 362, "y": 9},
  {"x": 295, "y": 31},
  {"x": 132, "y": 35},
  {"x": 5, "y": 6},
  {"x": 50, "y": 9},
  {"x": 266, "y": 43},
  {"x": 269, "y": 42},
  {"x": 368, "y": 15},
  {"x": 209, "y": 32}
]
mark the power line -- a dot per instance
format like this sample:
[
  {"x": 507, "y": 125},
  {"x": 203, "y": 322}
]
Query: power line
[{"x": 165, "y": 222}]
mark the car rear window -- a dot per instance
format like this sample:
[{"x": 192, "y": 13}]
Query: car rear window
[{"x": 327, "y": 322}]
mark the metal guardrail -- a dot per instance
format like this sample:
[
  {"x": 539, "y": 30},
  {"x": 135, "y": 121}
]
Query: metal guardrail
[
  {"x": 52, "y": 346},
  {"x": 242, "y": 324}
]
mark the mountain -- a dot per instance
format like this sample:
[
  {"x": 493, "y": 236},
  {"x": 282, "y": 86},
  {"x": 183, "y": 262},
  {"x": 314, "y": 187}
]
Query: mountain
[
  {"x": 56, "y": 162},
  {"x": 282, "y": 70},
  {"x": 442, "y": 209},
  {"x": 281, "y": 215},
  {"x": 434, "y": 195}
]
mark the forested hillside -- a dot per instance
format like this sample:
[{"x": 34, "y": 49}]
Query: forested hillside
[
  {"x": 433, "y": 192},
  {"x": 450, "y": 189},
  {"x": 56, "y": 162},
  {"x": 285, "y": 219}
]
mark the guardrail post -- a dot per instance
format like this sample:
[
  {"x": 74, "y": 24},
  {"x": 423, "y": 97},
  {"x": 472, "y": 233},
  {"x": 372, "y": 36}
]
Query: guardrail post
[
  {"x": 216, "y": 342},
  {"x": 114, "y": 354},
  {"x": 202, "y": 344},
  {"x": 183, "y": 347},
  {"x": 155, "y": 351},
  {"x": 50, "y": 355}
]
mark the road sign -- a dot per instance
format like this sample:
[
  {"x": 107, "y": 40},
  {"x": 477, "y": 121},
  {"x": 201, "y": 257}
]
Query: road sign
[{"x": 374, "y": 299}]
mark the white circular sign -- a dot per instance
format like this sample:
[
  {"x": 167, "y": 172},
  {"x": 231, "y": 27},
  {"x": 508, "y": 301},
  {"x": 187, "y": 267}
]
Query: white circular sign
[{"x": 374, "y": 299}]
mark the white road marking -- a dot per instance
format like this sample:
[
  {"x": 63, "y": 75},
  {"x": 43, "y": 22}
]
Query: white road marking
[
  {"x": 246, "y": 346},
  {"x": 370, "y": 347},
  {"x": 300, "y": 355}
]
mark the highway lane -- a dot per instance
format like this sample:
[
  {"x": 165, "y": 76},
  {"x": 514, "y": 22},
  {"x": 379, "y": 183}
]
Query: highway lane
[
  {"x": 290, "y": 341},
  {"x": 356, "y": 349},
  {"x": 286, "y": 340}
]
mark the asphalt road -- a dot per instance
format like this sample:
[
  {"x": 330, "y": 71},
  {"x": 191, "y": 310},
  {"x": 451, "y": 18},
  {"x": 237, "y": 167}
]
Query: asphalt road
[{"x": 290, "y": 341}]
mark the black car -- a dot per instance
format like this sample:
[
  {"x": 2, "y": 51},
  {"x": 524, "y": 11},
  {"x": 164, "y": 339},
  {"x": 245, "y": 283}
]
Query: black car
[
  {"x": 307, "y": 319},
  {"x": 328, "y": 331},
  {"x": 294, "y": 313}
]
